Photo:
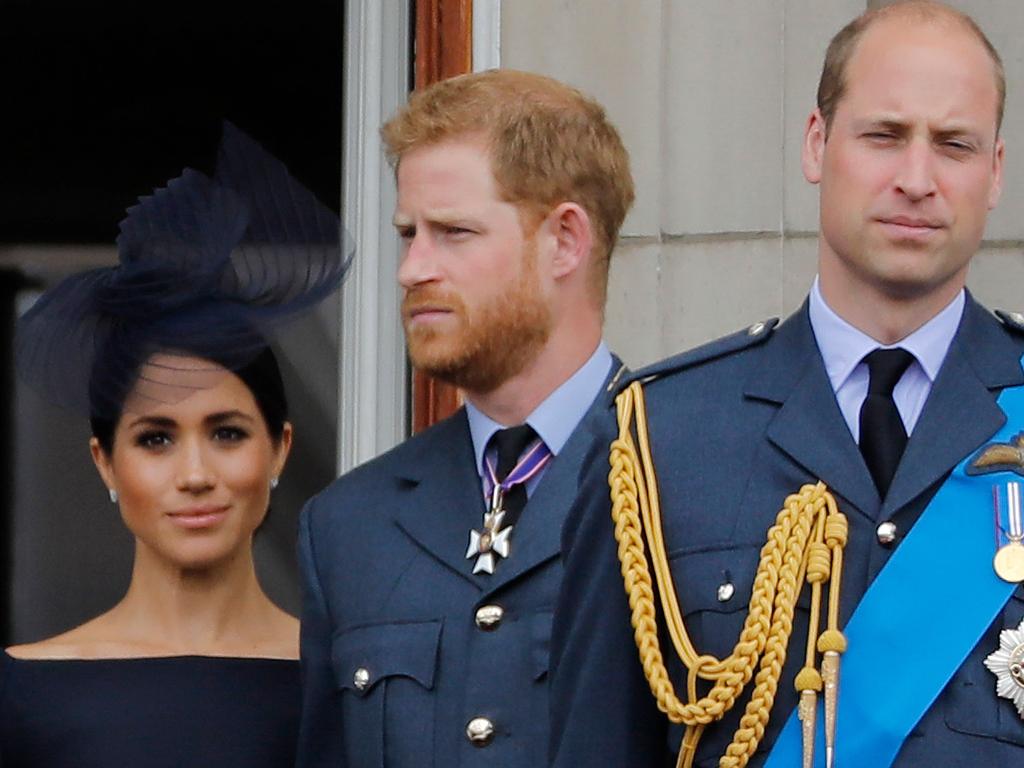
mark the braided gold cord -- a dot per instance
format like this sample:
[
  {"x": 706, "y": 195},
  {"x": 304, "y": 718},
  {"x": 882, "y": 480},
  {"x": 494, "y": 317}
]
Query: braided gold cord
[{"x": 808, "y": 532}]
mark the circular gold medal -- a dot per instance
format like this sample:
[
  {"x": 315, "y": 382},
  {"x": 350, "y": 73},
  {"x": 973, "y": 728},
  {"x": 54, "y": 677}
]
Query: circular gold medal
[{"x": 1009, "y": 563}]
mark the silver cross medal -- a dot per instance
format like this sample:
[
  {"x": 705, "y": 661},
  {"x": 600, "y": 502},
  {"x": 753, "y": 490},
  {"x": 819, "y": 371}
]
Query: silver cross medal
[{"x": 492, "y": 541}]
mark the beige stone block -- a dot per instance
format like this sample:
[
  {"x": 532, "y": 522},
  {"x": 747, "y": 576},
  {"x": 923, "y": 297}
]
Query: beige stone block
[
  {"x": 809, "y": 25},
  {"x": 715, "y": 287},
  {"x": 723, "y": 117},
  {"x": 799, "y": 266},
  {"x": 610, "y": 49},
  {"x": 996, "y": 278},
  {"x": 632, "y": 321},
  {"x": 1003, "y": 22}
]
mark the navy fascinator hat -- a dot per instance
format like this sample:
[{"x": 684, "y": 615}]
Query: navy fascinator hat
[{"x": 207, "y": 267}]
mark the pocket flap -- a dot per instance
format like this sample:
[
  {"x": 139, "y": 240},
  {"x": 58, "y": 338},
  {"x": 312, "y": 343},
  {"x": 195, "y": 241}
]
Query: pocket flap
[
  {"x": 718, "y": 579},
  {"x": 362, "y": 656}
]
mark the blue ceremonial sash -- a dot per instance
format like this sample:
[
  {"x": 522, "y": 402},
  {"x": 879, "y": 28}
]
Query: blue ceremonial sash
[{"x": 941, "y": 563}]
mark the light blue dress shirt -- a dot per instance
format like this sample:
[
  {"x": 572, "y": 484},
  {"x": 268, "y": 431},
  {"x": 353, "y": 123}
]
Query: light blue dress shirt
[
  {"x": 554, "y": 419},
  {"x": 843, "y": 348}
]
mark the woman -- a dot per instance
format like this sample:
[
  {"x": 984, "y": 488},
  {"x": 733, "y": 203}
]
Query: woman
[{"x": 195, "y": 666}]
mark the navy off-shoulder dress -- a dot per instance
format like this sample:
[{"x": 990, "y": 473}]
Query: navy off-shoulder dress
[{"x": 177, "y": 712}]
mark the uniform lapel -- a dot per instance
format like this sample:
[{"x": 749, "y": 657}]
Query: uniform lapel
[
  {"x": 960, "y": 413},
  {"x": 442, "y": 498},
  {"x": 809, "y": 426},
  {"x": 537, "y": 536}
]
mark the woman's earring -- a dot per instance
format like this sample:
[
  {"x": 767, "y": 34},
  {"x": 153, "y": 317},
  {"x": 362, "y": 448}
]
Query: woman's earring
[
  {"x": 113, "y": 496},
  {"x": 273, "y": 483}
]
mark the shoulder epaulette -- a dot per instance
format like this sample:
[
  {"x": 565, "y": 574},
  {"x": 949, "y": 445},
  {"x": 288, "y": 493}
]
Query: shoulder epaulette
[
  {"x": 1012, "y": 320},
  {"x": 757, "y": 333}
]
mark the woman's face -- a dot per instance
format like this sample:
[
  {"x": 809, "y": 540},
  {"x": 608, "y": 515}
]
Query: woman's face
[{"x": 192, "y": 464}]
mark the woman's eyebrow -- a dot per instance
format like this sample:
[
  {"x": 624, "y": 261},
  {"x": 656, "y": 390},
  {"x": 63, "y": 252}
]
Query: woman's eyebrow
[
  {"x": 222, "y": 416},
  {"x": 153, "y": 421}
]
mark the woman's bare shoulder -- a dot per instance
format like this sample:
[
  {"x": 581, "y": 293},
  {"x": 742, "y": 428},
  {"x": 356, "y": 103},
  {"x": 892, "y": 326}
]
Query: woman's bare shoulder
[{"x": 86, "y": 641}]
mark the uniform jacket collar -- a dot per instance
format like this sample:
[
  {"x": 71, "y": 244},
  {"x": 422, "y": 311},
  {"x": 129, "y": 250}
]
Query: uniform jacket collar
[
  {"x": 959, "y": 415},
  {"x": 443, "y": 501}
]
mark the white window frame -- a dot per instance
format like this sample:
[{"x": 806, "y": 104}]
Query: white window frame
[{"x": 373, "y": 376}]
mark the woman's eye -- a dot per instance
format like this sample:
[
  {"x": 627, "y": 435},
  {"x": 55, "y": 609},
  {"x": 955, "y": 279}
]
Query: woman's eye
[
  {"x": 229, "y": 434},
  {"x": 153, "y": 440}
]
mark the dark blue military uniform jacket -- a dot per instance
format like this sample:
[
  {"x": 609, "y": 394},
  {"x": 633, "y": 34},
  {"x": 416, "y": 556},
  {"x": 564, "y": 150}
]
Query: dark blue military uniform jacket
[
  {"x": 395, "y": 660},
  {"x": 736, "y": 426}
]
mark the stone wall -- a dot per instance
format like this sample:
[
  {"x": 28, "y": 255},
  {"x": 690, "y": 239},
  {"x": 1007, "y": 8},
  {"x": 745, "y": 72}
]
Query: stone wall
[{"x": 711, "y": 97}]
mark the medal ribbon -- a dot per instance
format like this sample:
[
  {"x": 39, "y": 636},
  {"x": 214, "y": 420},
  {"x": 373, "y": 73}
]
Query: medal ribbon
[
  {"x": 533, "y": 461},
  {"x": 940, "y": 576},
  {"x": 1013, "y": 531}
]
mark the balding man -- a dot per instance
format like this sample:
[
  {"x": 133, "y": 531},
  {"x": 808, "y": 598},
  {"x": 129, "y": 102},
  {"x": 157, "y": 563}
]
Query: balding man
[{"x": 838, "y": 492}]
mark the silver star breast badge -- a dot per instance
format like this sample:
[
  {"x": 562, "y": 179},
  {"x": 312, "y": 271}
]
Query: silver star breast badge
[
  {"x": 488, "y": 544},
  {"x": 1007, "y": 664}
]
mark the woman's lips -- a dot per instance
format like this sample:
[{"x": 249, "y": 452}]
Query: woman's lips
[{"x": 198, "y": 517}]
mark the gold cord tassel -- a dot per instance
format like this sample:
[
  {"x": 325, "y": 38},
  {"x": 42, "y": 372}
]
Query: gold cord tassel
[{"x": 803, "y": 545}]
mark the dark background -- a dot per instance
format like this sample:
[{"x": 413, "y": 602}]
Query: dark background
[{"x": 102, "y": 102}]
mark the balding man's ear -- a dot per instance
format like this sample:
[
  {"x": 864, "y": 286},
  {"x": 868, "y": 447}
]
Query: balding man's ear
[
  {"x": 573, "y": 235},
  {"x": 813, "y": 153},
  {"x": 996, "y": 190}
]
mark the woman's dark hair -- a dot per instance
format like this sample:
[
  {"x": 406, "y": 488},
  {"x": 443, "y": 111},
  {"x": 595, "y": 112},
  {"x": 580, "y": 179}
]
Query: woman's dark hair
[
  {"x": 207, "y": 266},
  {"x": 262, "y": 376}
]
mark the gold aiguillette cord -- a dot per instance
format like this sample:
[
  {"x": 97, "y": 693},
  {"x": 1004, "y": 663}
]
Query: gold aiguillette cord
[{"x": 805, "y": 544}]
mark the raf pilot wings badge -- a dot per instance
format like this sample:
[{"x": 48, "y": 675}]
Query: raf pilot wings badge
[{"x": 999, "y": 457}]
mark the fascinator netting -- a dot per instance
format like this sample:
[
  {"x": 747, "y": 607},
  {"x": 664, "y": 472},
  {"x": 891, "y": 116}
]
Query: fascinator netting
[{"x": 207, "y": 268}]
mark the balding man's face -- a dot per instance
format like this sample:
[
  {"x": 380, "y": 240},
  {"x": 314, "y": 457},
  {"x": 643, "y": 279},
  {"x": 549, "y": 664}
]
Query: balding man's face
[{"x": 911, "y": 164}]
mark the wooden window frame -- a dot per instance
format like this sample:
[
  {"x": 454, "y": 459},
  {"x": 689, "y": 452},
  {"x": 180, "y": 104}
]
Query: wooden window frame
[{"x": 444, "y": 48}]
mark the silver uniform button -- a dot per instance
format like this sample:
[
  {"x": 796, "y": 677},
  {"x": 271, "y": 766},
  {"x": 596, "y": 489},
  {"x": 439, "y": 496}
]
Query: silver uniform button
[
  {"x": 488, "y": 617},
  {"x": 1017, "y": 317},
  {"x": 361, "y": 678},
  {"x": 480, "y": 731},
  {"x": 886, "y": 532},
  {"x": 725, "y": 592},
  {"x": 756, "y": 329}
]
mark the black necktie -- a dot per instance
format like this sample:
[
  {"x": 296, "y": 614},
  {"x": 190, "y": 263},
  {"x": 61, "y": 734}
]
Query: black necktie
[
  {"x": 882, "y": 435},
  {"x": 511, "y": 443}
]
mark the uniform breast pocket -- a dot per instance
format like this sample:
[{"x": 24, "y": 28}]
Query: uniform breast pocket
[
  {"x": 970, "y": 703},
  {"x": 385, "y": 678},
  {"x": 714, "y": 586}
]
